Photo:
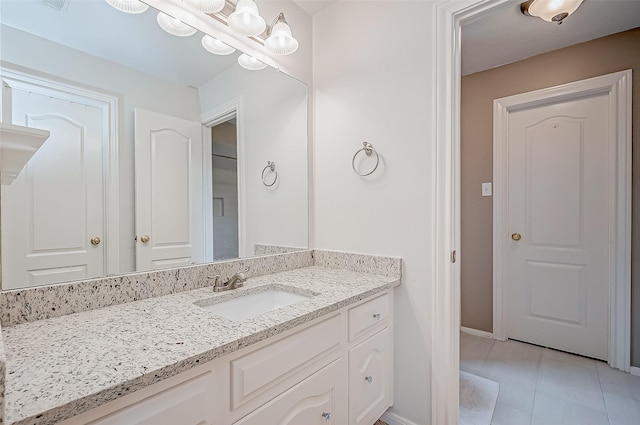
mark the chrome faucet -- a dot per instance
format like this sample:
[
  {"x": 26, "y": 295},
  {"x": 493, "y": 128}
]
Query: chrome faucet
[{"x": 235, "y": 281}]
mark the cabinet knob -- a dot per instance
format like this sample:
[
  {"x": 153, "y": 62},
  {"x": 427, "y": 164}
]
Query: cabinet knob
[
  {"x": 326, "y": 416},
  {"x": 144, "y": 239},
  {"x": 516, "y": 236},
  {"x": 95, "y": 241},
  {"x": 376, "y": 316},
  {"x": 369, "y": 379}
]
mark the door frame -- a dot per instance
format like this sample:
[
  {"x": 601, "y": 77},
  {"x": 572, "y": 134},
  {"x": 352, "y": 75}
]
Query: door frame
[
  {"x": 209, "y": 119},
  {"x": 617, "y": 86},
  {"x": 108, "y": 105}
]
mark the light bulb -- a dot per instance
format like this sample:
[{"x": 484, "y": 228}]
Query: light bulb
[
  {"x": 250, "y": 63},
  {"x": 280, "y": 41},
  {"x": 245, "y": 20},
  {"x": 553, "y": 10},
  {"x": 215, "y": 46},
  {"x": 128, "y": 6}
]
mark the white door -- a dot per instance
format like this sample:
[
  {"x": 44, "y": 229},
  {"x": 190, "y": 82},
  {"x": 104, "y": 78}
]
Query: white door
[
  {"x": 559, "y": 204},
  {"x": 169, "y": 195},
  {"x": 55, "y": 207}
]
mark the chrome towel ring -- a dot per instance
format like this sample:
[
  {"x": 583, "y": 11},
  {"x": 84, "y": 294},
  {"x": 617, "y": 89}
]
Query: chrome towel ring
[
  {"x": 271, "y": 165},
  {"x": 368, "y": 150}
]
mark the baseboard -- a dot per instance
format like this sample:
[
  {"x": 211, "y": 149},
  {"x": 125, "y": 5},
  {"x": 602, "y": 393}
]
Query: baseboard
[
  {"x": 476, "y": 332},
  {"x": 393, "y": 419},
  {"x": 635, "y": 370}
]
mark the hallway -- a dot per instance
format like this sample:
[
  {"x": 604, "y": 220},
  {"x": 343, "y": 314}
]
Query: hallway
[{"x": 540, "y": 386}]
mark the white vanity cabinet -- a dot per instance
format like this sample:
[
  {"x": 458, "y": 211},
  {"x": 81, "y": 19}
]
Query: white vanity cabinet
[{"x": 336, "y": 369}]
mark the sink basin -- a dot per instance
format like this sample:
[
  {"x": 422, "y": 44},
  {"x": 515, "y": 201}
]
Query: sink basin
[{"x": 251, "y": 305}]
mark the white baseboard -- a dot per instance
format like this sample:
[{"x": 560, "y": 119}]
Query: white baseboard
[
  {"x": 635, "y": 370},
  {"x": 476, "y": 332},
  {"x": 393, "y": 419}
]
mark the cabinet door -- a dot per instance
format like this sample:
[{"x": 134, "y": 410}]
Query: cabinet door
[
  {"x": 318, "y": 400},
  {"x": 186, "y": 404},
  {"x": 370, "y": 379}
]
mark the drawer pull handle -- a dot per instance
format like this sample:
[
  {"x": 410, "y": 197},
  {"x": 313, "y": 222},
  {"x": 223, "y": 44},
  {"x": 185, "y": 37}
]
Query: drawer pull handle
[
  {"x": 326, "y": 416},
  {"x": 376, "y": 316},
  {"x": 369, "y": 379}
]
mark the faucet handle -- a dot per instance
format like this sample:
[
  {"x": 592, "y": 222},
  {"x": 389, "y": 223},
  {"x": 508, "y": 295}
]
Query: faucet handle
[{"x": 216, "y": 280}]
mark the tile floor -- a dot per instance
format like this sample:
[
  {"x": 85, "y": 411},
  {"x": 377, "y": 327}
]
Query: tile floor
[{"x": 540, "y": 386}]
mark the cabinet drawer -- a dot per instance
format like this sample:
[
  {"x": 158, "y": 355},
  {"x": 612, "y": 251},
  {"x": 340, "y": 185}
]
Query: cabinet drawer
[
  {"x": 370, "y": 379},
  {"x": 368, "y": 317},
  {"x": 320, "y": 399},
  {"x": 189, "y": 403},
  {"x": 262, "y": 374}
]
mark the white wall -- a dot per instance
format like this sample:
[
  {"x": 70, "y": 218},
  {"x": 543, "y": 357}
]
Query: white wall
[
  {"x": 276, "y": 107},
  {"x": 134, "y": 90},
  {"x": 373, "y": 81}
]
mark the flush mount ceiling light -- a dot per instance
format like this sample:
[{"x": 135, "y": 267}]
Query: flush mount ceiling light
[
  {"x": 550, "y": 10},
  {"x": 280, "y": 40},
  {"x": 245, "y": 20},
  {"x": 174, "y": 26},
  {"x": 215, "y": 46},
  {"x": 250, "y": 63},
  {"x": 128, "y": 6},
  {"x": 207, "y": 6}
]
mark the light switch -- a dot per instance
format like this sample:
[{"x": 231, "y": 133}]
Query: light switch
[{"x": 486, "y": 189}]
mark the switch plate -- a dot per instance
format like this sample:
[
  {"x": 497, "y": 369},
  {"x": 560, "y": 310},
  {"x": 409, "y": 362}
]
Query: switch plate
[{"x": 486, "y": 189}]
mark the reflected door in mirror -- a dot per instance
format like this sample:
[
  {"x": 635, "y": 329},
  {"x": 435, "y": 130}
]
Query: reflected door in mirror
[{"x": 55, "y": 208}]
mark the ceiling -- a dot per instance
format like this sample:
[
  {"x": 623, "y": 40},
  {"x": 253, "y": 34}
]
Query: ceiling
[
  {"x": 313, "y": 6},
  {"x": 505, "y": 35}
]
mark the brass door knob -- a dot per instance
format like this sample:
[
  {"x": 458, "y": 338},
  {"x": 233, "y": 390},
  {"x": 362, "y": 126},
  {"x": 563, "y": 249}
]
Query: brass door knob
[
  {"x": 144, "y": 238},
  {"x": 516, "y": 236},
  {"x": 95, "y": 241}
]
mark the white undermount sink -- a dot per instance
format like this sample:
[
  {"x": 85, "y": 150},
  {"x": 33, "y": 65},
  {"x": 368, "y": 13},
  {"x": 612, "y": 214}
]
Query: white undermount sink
[{"x": 251, "y": 305}]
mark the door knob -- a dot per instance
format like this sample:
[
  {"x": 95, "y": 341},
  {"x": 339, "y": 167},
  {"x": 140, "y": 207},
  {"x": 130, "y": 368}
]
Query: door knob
[
  {"x": 144, "y": 238},
  {"x": 369, "y": 379},
  {"x": 516, "y": 236},
  {"x": 95, "y": 241},
  {"x": 326, "y": 416}
]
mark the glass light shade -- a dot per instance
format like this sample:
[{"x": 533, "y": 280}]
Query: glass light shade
[
  {"x": 128, "y": 6},
  {"x": 281, "y": 42},
  {"x": 550, "y": 9},
  {"x": 245, "y": 20},
  {"x": 174, "y": 26},
  {"x": 207, "y": 6},
  {"x": 215, "y": 46},
  {"x": 250, "y": 63}
]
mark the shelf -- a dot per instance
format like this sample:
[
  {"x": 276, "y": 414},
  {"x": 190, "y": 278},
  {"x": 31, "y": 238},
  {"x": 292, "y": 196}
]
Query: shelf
[{"x": 17, "y": 146}]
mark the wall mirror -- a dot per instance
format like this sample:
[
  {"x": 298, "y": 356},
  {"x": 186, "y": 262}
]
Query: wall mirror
[{"x": 161, "y": 154}]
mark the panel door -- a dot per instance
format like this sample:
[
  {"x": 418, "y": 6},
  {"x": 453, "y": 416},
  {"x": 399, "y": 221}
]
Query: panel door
[
  {"x": 55, "y": 206},
  {"x": 559, "y": 197},
  {"x": 169, "y": 194},
  {"x": 318, "y": 400},
  {"x": 370, "y": 379}
]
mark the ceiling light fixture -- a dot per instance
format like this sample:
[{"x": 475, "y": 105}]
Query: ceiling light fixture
[
  {"x": 280, "y": 40},
  {"x": 174, "y": 26},
  {"x": 207, "y": 6},
  {"x": 245, "y": 20},
  {"x": 550, "y": 10},
  {"x": 215, "y": 46},
  {"x": 250, "y": 63},
  {"x": 128, "y": 6}
]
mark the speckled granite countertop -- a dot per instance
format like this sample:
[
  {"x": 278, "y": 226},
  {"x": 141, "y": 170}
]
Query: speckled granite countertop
[{"x": 63, "y": 366}]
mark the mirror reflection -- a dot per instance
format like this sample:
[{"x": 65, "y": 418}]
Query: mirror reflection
[{"x": 161, "y": 154}]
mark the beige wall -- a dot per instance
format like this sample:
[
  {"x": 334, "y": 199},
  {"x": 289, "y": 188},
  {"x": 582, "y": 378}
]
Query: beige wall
[{"x": 602, "y": 56}]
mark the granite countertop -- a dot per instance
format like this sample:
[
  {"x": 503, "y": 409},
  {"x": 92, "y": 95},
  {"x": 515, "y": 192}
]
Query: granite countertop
[{"x": 60, "y": 367}]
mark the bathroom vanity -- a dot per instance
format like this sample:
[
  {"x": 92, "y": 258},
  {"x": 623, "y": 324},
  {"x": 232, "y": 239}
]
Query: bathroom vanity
[{"x": 326, "y": 358}]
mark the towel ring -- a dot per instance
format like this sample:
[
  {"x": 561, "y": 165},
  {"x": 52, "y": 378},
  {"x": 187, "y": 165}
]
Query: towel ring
[
  {"x": 271, "y": 165},
  {"x": 368, "y": 150}
]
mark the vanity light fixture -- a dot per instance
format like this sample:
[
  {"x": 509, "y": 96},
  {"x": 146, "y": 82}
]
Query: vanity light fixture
[
  {"x": 550, "y": 10},
  {"x": 207, "y": 6},
  {"x": 215, "y": 46},
  {"x": 128, "y": 6},
  {"x": 174, "y": 26},
  {"x": 280, "y": 40},
  {"x": 246, "y": 20},
  {"x": 250, "y": 63}
]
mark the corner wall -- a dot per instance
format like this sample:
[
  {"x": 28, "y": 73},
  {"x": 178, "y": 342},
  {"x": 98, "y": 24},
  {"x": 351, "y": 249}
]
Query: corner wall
[
  {"x": 597, "y": 57},
  {"x": 373, "y": 73}
]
